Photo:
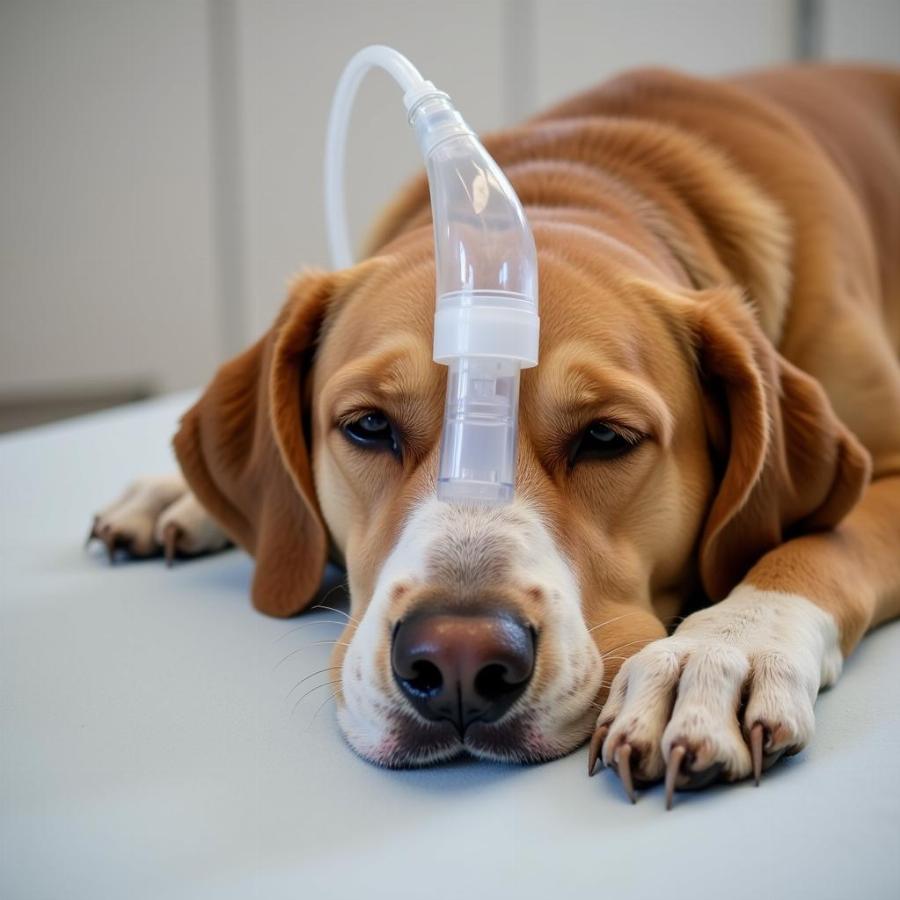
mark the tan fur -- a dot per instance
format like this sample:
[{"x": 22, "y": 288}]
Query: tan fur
[{"x": 718, "y": 271}]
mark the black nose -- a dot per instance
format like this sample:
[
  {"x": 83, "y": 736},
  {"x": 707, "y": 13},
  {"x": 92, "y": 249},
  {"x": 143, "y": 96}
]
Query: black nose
[{"x": 462, "y": 668}]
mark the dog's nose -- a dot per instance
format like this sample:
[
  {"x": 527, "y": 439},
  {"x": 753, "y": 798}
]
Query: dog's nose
[{"x": 462, "y": 668}]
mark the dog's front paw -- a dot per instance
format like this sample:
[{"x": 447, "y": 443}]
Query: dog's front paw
[
  {"x": 726, "y": 696},
  {"x": 157, "y": 515}
]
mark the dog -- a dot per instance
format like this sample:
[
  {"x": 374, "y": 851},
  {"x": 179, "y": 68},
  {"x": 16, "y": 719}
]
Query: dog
[{"x": 707, "y": 511}]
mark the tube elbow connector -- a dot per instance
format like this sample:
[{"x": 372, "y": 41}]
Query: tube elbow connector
[{"x": 486, "y": 324}]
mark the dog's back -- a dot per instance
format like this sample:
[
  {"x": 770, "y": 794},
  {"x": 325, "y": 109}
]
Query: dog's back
[{"x": 852, "y": 114}]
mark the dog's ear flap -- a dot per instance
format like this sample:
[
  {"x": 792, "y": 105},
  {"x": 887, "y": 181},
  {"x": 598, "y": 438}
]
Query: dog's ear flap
[
  {"x": 244, "y": 451},
  {"x": 788, "y": 466}
]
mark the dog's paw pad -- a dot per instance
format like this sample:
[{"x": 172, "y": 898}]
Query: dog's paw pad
[
  {"x": 690, "y": 768},
  {"x": 769, "y": 744},
  {"x": 635, "y": 715},
  {"x": 156, "y": 516},
  {"x": 725, "y": 697},
  {"x": 682, "y": 772},
  {"x": 184, "y": 530},
  {"x": 129, "y": 539}
]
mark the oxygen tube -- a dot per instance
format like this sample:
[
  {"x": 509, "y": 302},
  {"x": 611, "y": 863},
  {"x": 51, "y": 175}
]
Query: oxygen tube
[{"x": 486, "y": 319}]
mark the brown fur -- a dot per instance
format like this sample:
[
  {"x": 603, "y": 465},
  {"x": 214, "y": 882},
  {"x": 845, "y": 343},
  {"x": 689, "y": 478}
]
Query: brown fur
[{"x": 719, "y": 269}]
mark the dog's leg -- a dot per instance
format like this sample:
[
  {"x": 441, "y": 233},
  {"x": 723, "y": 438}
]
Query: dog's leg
[
  {"x": 733, "y": 688},
  {"x": 157, "y": 514}
]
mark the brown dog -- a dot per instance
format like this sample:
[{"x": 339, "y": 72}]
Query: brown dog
[{"x": 715, "y": 422}]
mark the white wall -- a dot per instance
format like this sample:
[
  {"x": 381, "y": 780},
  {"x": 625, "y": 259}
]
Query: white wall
[
  {"x": 290, "y": 56},
  {"x": 861, "y": 29},
  {"x": 160, "y": 175},
  {"x": 105, "y": 229},
  {"x": 697, "y": 35}
]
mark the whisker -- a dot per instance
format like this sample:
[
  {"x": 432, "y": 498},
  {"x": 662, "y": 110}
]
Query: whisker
[
  {"x": 321, "y": 707},
  {"x": 340, "y": 586},
  {"x": 334, "y": 696},
  {"x": 306, "y": 647},
  {"x": 340, "y": 612},
  {"x": 613, "y": 619},
  {"x": 318, "y": 687},
  {"x": 309, "y": 625},
  {"x": 635, "y": 641},
  {"x": 307, "y": 677}
]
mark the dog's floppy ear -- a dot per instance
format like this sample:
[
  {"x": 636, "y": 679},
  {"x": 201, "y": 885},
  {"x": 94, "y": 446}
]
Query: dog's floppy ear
[
  {"x": 245, "y": 453},
  {"x": 787, "y": 464}
]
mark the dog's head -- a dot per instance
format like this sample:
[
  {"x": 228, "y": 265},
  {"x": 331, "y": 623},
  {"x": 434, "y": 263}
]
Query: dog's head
[{"x": 663, "y": 447}]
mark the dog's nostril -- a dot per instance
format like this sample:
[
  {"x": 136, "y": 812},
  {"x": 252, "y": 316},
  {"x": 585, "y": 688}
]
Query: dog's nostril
[
  {"x": 427, "y": 678},
  {"x": 494, "y": 680}
]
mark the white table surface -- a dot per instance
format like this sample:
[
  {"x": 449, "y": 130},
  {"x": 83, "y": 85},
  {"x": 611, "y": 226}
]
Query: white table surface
[{"x": 148, "y": 749}]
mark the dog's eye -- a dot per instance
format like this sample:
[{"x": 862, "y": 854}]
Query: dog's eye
[
  {"x": 373, "y": 431},
  {"x": 601, "y": 441}
]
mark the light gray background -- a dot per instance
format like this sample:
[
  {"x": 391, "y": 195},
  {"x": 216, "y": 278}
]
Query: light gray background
[
  {"x": 159, "y": 183},
  {"x": 160, "y": 173},
  {"x": 148, "y": 748}
]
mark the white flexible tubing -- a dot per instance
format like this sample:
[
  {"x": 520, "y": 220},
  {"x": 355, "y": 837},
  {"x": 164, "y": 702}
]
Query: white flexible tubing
[{"x": 413, "y": 84}]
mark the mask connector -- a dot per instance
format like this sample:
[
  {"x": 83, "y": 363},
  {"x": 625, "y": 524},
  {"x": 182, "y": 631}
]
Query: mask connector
[{"x": 486, "y": 324}]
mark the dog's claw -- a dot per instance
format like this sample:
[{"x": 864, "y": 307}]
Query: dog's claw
[
  {"x": 171, "y": 534},
  {"x": 623, "y": 767},
  {"x": 597, "y": 740},
  {"x": 757, "y": 734},
  {"x": 92, "y": 534},
  {"x": 676, "y": 755}
]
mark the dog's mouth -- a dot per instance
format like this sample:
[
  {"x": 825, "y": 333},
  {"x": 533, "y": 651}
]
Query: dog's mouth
[{"x": 414, "y": 743}]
